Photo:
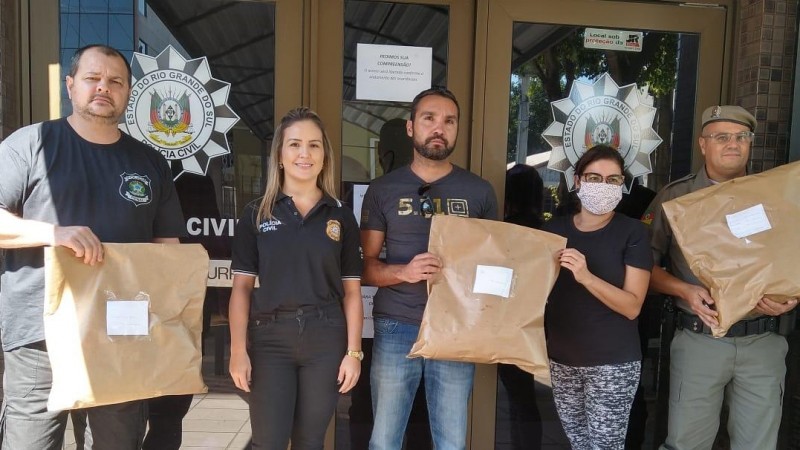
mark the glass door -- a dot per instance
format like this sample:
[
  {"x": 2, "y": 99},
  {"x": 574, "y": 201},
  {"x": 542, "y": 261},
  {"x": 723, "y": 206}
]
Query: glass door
[{"x": 561, "y": 77}]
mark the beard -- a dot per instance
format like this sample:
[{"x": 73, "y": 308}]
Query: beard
[
  {"x": 90, "y": 112},
  {"x": 431, "y": 152}
]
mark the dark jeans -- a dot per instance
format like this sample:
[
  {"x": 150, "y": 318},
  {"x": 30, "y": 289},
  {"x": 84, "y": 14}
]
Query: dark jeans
[
  {"x": 26, "y": 423},
  {"x": 165, "y": 421},
  {"x": 295, "y": 360}
]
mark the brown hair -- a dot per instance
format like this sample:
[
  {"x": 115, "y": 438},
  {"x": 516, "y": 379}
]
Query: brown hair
[{"x": 597, "y": 153}]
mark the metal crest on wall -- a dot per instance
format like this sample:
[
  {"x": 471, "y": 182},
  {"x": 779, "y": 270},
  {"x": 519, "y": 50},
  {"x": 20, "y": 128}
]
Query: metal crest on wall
[
  {"x": 602, "y": 113},
  {"x": 179, "y": 109}
]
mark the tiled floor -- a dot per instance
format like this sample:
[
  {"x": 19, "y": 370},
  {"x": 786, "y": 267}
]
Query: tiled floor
[{"x": 218, "y": 420}]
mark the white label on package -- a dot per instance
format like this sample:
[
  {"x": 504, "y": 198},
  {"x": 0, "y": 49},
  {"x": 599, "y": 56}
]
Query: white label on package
[
  {"x": 126, "y": 318},
  {"x": 493, "y": 280},
  {"x": 748, "y": 222}
]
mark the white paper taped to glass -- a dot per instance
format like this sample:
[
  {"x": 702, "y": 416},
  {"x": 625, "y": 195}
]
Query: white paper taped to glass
[
  {"x": 494, "y": 280},
  {"x": 127, "y": 318},
  {"x": 748, "y": 222}
]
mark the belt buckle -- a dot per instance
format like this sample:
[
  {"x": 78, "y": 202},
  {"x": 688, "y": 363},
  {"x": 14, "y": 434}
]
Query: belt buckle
[{"x": 771, "y": 324}]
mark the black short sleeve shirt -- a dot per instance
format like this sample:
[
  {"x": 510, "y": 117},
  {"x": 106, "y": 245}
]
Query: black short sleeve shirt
[
  {"x": 299, "y": 261},
  {"x": 122, "y": 191},
  {"x": 581, "y": 330}
]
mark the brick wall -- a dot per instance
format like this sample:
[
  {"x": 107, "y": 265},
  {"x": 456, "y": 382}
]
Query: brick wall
[{"x": 763, "y": 67}]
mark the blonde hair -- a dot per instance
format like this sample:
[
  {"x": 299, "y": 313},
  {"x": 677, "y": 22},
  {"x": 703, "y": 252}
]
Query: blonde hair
[{"x": 325, "y": 180}]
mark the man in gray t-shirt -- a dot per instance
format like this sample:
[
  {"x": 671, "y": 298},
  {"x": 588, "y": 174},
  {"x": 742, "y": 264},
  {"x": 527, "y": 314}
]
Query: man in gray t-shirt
[
  {"x": 73, "y": 182},
  {"x": 396, "y": 212}
]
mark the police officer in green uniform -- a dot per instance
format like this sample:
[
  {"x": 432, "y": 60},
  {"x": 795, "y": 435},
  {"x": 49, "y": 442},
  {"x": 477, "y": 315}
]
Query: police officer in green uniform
[{"x": 749, "y": 360}]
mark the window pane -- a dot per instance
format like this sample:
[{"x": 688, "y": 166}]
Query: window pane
[
  {"x": 120, "y": 6},
  {"x": 70, "y": 35},
  {"x": 121, "y": 36},
  {"x": 549, "y": 63},
  {"x": 390, "y": 24},
  {"x": 238, "y": 40},
  {"x": 69, "y": 6},
  {"x": 93, "y": 29},
  {"x": 94, "y": 6}
]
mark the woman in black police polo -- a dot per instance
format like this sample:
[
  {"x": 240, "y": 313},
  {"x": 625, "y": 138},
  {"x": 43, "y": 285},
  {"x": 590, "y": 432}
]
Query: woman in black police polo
[
  {"x": 296, "y": 339},
  {"x": 591, "y": 314}
]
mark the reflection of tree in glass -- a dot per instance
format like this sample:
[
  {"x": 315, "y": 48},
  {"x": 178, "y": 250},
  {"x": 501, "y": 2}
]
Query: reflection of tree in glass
[{"x": 553, "y": 71}]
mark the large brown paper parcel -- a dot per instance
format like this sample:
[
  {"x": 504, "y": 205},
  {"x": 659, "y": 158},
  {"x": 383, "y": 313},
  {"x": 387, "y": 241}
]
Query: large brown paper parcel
[
  {"x": 91, "y": 368},
  {"x": 738, "y": 271},
  {"x": 460, "y": 325}
]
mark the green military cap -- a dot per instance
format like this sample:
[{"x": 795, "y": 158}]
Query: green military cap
[{"x": 729, "y": 113}]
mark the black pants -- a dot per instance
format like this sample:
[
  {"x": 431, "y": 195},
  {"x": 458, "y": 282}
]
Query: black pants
[
  {"x": 295, "y": 359},
  {"x": 110, "y": 427},
  {"x": 165, "y": 422}
]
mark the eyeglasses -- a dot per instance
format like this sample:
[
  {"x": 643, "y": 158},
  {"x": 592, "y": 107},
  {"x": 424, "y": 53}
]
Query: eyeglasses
[
  {"x": 426, "y": 208},
  {"x": 745, "y": 137},
  {"x": 591, "y": 177}
]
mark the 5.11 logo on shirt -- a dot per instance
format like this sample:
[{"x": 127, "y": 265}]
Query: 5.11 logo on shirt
[{"x": 454, "y": 207}]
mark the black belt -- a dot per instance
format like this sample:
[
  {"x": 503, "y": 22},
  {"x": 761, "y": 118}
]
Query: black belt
[
  {"x": 292, "y": 313},
  {"x": 783, "y": 324}
]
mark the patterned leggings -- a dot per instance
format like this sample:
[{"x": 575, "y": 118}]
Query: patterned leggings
[{"x": 593, "y": 403}]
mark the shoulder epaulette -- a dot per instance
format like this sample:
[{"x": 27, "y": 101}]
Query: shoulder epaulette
[
  {"x": 649, "y": 214},
  {"x": 689, "y": 177}
]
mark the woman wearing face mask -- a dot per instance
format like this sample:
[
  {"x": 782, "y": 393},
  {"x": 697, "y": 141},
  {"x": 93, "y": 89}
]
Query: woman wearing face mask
[{"x": 592, "y": 336}]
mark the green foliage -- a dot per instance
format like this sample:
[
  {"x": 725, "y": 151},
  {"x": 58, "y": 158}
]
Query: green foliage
[
  {"x": 554, "y": 70},
  {"x": 539, "y": 116}
]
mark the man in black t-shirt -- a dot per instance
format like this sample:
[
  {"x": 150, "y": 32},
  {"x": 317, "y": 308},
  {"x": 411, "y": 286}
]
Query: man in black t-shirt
[
  {"x": 396, "y": 211},
  {"x": 73, "y": 182}
]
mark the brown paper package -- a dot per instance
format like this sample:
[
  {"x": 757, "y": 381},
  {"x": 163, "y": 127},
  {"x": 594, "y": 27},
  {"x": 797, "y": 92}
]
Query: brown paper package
[
  {"x": 738, "y": 272},
  {"x": 92, "y": 369},
  {"x": 459, "y": 325}
]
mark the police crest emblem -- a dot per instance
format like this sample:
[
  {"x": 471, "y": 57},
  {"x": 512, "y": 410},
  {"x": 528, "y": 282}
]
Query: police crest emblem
[
  {"x": 179, "y": 109},
  {"x": 604, "y": 113},
  {"x": 334, "y": 230}
]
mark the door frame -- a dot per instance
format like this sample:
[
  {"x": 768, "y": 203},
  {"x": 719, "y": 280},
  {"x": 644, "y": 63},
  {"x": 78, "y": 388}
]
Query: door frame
[
  {"x": 494, "y": 32},
  {"x": 492, "y": 68}
]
